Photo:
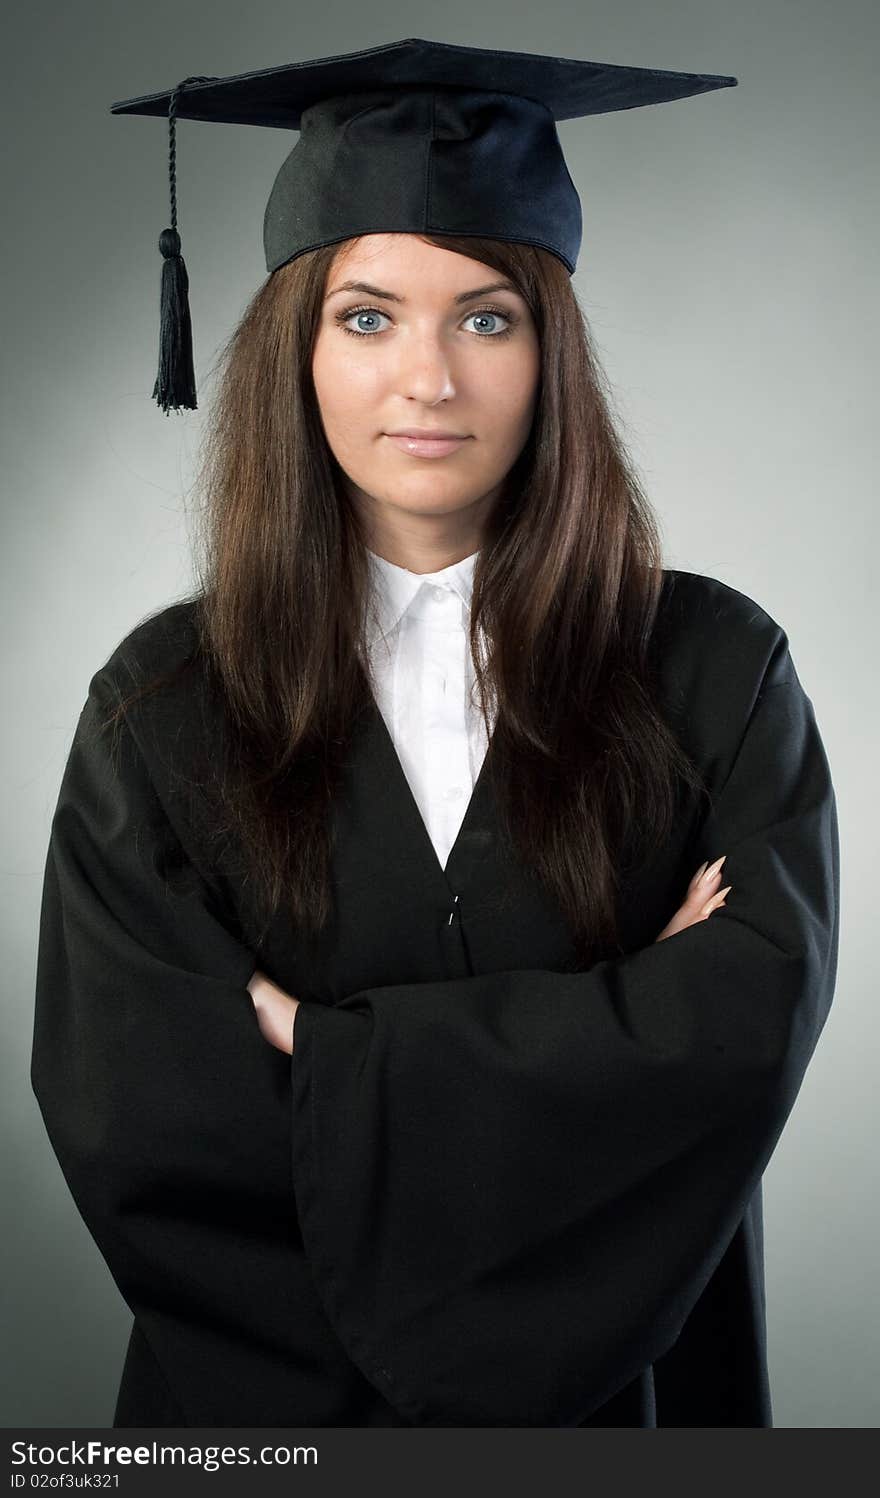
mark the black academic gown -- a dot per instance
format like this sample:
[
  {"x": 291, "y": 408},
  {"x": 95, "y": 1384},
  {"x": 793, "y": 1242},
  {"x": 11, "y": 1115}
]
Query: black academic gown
[{"x": 487, "y": 1189}]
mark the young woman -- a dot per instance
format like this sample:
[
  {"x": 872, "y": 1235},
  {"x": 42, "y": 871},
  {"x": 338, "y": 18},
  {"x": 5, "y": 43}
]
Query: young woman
[
  {"x": 407, "y": 1053},
  {"x": 422, "y": 516}
]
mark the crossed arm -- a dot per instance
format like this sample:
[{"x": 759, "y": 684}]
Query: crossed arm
[{"x": 276, "y": 1010}]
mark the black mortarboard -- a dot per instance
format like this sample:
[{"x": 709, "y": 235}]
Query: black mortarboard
[{"x": 415, "y": 137}]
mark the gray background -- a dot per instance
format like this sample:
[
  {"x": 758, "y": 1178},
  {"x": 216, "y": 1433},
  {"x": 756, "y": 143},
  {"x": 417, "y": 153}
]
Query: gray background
[{"x": 728, "y": 270}]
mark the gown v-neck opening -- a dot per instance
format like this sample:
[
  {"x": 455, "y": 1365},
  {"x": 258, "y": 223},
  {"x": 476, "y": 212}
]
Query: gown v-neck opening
[{"x": 473, "y": 810}]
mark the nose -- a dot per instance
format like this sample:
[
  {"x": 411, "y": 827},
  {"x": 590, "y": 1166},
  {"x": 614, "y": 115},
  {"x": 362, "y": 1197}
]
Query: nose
[{"x": 424, "y": 371}]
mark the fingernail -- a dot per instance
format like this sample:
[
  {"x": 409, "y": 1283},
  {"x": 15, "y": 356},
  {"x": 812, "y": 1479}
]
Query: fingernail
[
  {"x": 722, "y": 892},
  {"x": 699, "y": 873},
  {"x": 713, "y": 868}
]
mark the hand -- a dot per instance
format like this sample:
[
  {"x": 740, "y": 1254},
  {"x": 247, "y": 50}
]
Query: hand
[
  {"x": 703, "y": 896},
  {"x": 276, "y": 1011}
]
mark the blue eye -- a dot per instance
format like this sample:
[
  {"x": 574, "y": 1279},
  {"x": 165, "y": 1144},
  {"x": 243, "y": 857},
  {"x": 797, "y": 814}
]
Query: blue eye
[
  {"x": 491, "y": 313},
  {"x": 360, "y": 312}
]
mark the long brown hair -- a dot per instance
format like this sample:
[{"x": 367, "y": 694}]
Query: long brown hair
[{"x": 567, "y": 583}]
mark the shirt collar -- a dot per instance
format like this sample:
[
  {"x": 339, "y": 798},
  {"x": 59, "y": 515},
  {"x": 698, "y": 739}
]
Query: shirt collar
[{"x": 394, "y": 588}]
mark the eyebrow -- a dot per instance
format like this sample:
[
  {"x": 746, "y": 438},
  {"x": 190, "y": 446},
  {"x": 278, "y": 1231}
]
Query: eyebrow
[{"x": 390, "y": 296}]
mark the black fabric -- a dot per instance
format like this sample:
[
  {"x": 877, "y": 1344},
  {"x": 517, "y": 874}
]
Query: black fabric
[
  {"x": 486, "y": 1189},
  {"x": 419, "y": 136}
]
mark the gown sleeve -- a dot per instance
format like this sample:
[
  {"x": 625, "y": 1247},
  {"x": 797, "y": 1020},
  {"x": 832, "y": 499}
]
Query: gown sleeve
[
  {"x": 514, "y": 1187},
  {"x": 141, "y": 1008}
]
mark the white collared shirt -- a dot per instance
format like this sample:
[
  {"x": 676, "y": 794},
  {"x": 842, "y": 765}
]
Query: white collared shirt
[{"x": 423, "y": 681}]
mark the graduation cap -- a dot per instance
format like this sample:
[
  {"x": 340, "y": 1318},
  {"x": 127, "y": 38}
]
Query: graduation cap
[{"x": 413, "y": 137}]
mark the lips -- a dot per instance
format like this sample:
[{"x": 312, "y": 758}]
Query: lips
[{"x": 427, "y": 447}]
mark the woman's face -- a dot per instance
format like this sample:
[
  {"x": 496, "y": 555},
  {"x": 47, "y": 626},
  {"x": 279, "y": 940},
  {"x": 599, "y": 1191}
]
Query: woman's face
[{"x": 417, "y": 349}]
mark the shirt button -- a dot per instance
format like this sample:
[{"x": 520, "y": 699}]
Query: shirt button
[
  {"x": 439, "y": 594},
  {"x": 453, "y": 793}
]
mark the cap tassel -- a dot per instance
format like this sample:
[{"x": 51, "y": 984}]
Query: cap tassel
[{"x": 175, "y": 384}]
